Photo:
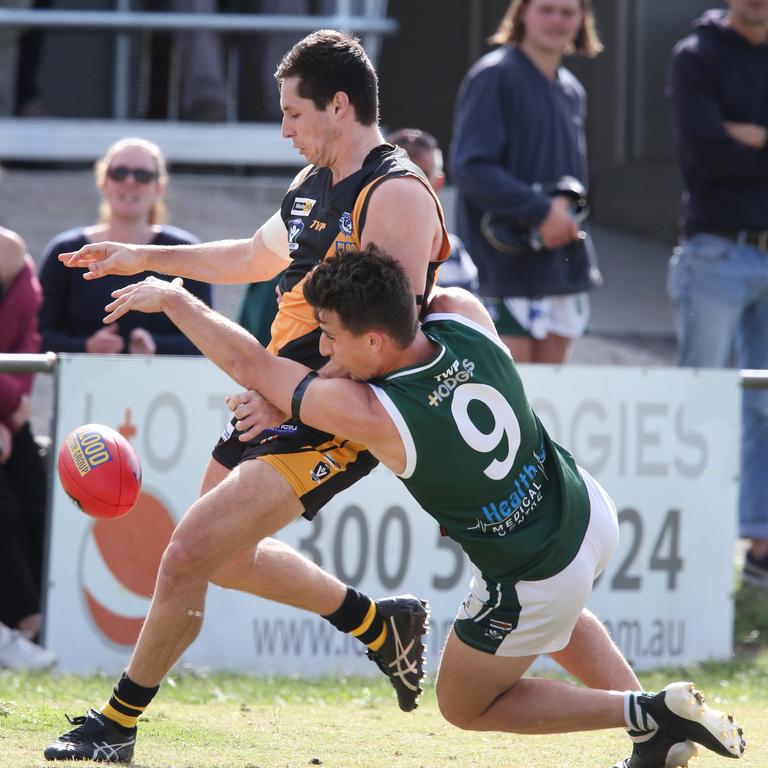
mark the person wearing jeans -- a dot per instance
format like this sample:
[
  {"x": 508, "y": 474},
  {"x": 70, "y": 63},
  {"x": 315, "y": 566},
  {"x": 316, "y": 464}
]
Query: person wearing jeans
[{"x": 718, "y": 277}]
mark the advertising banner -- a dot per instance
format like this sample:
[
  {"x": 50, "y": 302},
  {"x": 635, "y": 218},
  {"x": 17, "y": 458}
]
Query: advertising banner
[{"x": 664, "y": 443}]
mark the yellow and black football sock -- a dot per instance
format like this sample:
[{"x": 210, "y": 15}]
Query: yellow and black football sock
[
  {"x": 128, "y": 701},
  {"x": 358, "y": 616}
]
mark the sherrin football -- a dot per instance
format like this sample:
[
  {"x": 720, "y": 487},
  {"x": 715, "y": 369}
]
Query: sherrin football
[{"x": 99, "y": 471}]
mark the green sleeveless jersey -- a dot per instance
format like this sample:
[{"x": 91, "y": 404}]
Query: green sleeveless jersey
[{"x": 479, "y": 460}]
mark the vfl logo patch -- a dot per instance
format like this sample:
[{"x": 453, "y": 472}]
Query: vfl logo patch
[
  {"x": 501, "y": 626},
  {"x": 88, "y": 451},
  {"x": 345, "y": 224},
  {"x": 497, "y": 630},
  {"x": 295, "y": 228},
  {"x": 302, "y": 206},
  {"x": 227, "y": 433},
  {"x": 320, "y": 472}
]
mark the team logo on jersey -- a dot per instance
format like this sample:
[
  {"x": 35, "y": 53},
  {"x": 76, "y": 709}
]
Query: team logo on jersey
[
  {"x": 302, "y": 206},
  {"x": 320, "y": 472},
  {"x": 500, "y": 516},
  {"x": 457, "y": 373},
  {"x": 345, "y": 224},
  {"x": 295, "y": 228},
  {"x": 344, "y": 246}
]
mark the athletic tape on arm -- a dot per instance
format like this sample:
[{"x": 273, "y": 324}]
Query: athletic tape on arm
[
  {"x": 275, "y": 235},
  {"x": 298, "y": 394}
]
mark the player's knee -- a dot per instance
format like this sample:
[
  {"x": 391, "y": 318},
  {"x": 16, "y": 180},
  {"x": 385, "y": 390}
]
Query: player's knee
[
  {"x": 182, "y": 564},
  {"x": 452, "y": 711}
]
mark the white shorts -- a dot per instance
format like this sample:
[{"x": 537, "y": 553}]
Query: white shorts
[
  {"x": 566, "y": 316},
  {"x": 550, "y": 608}
]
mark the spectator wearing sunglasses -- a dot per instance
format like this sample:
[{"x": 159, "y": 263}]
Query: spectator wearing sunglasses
[{"x": 131, "y": 177}]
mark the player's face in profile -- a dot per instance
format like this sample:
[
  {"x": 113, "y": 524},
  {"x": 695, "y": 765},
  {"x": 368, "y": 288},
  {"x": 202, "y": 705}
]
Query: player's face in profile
[
  {"x": 552, "y": 25},
  {"x": 310, "y": 129},
  {"x": 129, "y": 198},
  {"x": 354, "y": 354}
]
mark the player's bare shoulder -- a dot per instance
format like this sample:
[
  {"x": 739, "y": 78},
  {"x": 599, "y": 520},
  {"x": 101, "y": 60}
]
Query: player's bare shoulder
[
  {"x": 457, "y": 301},
  {"x": 404, "y": 218},
  {"x": 405, "y": 193}
]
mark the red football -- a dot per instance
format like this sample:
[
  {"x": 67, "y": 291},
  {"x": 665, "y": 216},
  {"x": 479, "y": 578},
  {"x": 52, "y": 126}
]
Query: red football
[{"x": 99, "y": 471}]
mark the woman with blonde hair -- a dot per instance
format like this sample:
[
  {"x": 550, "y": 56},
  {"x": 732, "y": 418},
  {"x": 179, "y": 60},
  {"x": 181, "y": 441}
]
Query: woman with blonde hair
[{"x": 132, "y": 177}]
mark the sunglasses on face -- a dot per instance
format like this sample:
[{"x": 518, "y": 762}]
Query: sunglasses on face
[{"x": 122, "y": 172}]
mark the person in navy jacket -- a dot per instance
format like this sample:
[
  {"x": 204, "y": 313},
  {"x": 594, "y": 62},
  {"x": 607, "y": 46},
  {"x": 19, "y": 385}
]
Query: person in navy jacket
[{"x": 519, "y": 127}]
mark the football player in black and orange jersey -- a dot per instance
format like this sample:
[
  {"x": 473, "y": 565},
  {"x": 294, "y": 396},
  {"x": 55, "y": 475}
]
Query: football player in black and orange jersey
[{"x": 357, "y": 190}]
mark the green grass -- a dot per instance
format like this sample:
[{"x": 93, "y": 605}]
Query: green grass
[
  {"x": 227, "y": 720},
  {"x": 750, "y": 630}
]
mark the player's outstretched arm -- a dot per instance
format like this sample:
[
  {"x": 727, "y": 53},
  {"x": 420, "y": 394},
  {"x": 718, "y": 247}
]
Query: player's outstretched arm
[
  {"x": 339, "y": 406},
  {"x": 105, "y": 259},
  {"x": 224, "y": 261}
]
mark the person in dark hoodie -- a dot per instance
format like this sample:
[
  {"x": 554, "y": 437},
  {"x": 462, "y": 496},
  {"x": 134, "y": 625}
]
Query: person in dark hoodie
[
  {"x": 718, "y": 276},
  {"x": 519, "y": 128}
]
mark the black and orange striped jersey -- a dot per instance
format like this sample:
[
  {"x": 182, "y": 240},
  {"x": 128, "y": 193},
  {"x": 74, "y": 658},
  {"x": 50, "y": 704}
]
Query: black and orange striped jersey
[{"x": 322, "y": 220}]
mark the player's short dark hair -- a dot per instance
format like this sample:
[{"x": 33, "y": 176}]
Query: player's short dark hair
[
  {"x": 368, "y": 290},
  {"x": 328, "y": 61}
]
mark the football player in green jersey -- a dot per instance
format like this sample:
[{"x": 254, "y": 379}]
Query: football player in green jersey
[{"x": 537, "y": 528}]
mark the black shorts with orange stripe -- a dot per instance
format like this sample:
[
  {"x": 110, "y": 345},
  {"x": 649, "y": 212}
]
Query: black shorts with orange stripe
[{"x": 317, "y": 465}]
